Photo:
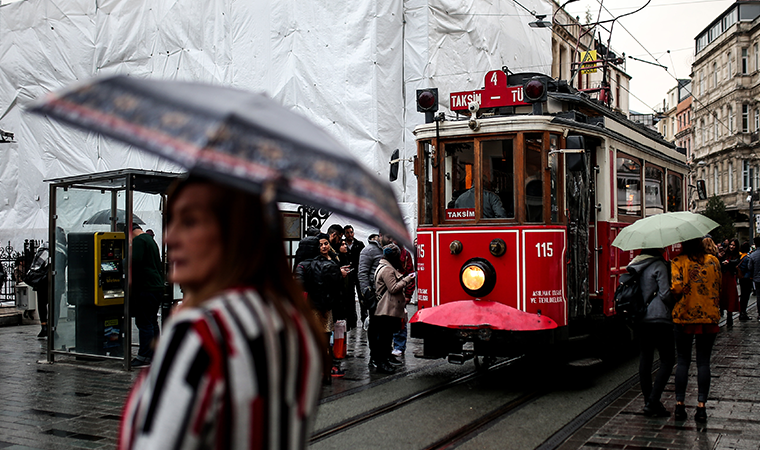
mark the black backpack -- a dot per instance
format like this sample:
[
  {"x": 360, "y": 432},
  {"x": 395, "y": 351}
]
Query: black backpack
[{"x": 629, "y": 299}]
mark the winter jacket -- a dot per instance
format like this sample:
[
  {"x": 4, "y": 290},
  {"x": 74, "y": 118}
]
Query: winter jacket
[
  {"x": 408, "y": 264},
  {"x": 754, "y": 265},
  {"x": 322, "y": 280},
  {"x": 696, "y": 286},
  {"x": 368, "y": 261},
  {"x": 308, "y": 248},
  {"x": 655, "y": 279},
  {"x": 390, "y": 284}
]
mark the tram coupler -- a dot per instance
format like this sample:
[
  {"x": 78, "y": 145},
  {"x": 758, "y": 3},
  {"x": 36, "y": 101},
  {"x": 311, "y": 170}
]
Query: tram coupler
[{"x": 460, "y": 358}]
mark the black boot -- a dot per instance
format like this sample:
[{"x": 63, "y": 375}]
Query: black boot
[{"x": 43, "y": 332}]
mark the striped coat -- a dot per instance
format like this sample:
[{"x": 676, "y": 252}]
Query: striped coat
[{"x": 226, "y": 375}]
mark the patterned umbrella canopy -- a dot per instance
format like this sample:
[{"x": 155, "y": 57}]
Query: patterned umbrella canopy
[
  {"x": 662, "y": 230},
  {"x": 103, "y": 217},
  {"x": 235, "y": 137}
]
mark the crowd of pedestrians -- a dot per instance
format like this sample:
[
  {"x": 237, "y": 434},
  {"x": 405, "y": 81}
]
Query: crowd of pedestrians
[
  {"x": 336, "y": 271},
  {"x": 687, "y": 297}
]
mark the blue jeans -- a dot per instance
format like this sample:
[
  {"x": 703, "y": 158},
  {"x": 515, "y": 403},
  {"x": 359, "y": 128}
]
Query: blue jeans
[
  {"x": 399, "y": 337},
  {"x": 146, "y": 320}
]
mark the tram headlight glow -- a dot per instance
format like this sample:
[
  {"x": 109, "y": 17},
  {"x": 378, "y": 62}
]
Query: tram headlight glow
[
  {"x": 473, "y": 278},
  {"x": 477, "y": 277}
]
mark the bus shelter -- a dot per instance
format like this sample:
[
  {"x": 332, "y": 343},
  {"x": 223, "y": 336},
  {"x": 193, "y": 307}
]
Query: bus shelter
[{"x": 91, "y": 219}]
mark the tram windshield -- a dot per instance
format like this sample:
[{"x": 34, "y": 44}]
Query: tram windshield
[
  {"x": 493, "y": 178},
  {"x": 496, "y": 188}
]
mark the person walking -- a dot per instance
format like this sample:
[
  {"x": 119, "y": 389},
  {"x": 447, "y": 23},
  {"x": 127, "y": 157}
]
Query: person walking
[
  {"x": 369, "y": 260},
  {"x": 355, "y": 247},
  {"x": 729, "y": 297},
  {"x": 147, "y": 289},
  {"x": 322, "y": 280},
  {"x": 389, "y": 286},
  {"x": 656, "y": 328},
  {"x": 240, "y": 361},
  {"x": 695, "y": 284},
  {"x": 745, "y": 281},
  {"x": 754, "y": 267}
]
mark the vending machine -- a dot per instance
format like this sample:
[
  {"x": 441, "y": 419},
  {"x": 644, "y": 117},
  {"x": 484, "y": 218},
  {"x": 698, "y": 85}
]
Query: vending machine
[{"x": 97, "y": 278}]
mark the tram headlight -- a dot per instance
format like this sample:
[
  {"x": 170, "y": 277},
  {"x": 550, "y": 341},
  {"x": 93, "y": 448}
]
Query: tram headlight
[{"x": 477, "y": 277}]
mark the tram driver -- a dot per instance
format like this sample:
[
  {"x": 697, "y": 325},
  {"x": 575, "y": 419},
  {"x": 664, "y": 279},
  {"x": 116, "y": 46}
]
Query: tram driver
[{"x": 492, "y": 206}]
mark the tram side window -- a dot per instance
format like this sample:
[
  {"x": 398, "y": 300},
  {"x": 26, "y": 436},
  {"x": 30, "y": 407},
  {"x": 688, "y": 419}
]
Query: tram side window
[
  {"x": 534, "y": 185},
  {"x": 675, "y": 192},
  {"x": 459, "y": 178},
  {"x": 628, "y": 186},
  {"x": 498, "y": 179},
  {"x": 654, "y": 194}
]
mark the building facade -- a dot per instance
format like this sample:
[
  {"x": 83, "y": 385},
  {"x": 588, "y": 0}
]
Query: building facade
[
  {"x": 570, "y": 40},
  {"x": 725, "y": 109}
]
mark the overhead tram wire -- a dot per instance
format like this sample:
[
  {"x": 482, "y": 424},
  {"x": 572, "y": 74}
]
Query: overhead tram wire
[{"x": 709, "y": 110}]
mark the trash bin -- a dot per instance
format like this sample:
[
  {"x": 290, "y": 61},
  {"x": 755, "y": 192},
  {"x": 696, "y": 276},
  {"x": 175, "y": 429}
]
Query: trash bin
[{"x": 26, "y": 298}]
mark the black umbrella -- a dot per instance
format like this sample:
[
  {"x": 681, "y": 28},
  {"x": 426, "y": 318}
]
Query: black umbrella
[
  {"x": 104, "y": 217},
  {"x": 233, "y": 136}
]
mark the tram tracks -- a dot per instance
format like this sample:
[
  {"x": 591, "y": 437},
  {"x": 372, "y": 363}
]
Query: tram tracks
[{"x": 396, "y": 404}]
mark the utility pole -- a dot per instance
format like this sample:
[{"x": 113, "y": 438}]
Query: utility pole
[{"x": 751, "y": 212}]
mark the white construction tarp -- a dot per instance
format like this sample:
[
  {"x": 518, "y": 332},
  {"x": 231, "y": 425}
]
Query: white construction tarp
[{"x": 352, "y": 68}]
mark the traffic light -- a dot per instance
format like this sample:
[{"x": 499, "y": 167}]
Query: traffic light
[
  {"x": 534, "y": 91},
  {"x": 427, "y": 102}
]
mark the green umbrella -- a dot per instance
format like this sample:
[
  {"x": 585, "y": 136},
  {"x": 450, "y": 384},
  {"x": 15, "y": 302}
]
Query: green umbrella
[{"x": 662, "y": 230}]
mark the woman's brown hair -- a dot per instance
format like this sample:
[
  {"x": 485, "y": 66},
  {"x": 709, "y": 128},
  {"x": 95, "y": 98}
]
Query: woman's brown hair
[
  {"x": 252, "y": 247},
  {"x": 694, "y": 249}
]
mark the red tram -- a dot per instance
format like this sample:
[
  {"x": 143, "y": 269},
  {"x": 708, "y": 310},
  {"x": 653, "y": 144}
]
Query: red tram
[{"x": 519, "y": 201}]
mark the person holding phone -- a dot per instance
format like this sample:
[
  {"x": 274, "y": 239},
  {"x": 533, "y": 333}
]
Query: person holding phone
[{"x": 389, "y": 286}]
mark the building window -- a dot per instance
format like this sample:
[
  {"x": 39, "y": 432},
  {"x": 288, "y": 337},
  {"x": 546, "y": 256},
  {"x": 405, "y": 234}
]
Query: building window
[
  {"x": 745, "y": 175},
  {"x": 702, "y": 82},
  {"x": 729, "y": 66},
  {"x": 730, "y": 117},
  {"x": 716, "y": 125},
  {"x": 757, "y": 120},
  {"x": 745, "y": 61},
  {"x": 730, "y": 176},
  {"x": 745, "y": 118},
  {"x": 703, "y": 131},
  {"x": 715, "y": 75},
  {"x": 716, "y": 181},
  {"x": 756, "y": 51}
]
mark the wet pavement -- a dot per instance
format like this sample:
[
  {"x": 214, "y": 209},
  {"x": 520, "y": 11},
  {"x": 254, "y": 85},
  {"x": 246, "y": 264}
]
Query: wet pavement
[
  {"x": 733, "y": 406},
  {"x": 77, "y": 404}
]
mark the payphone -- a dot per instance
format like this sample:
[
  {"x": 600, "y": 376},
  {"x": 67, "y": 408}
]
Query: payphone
[{"x": 96, "y": 291}]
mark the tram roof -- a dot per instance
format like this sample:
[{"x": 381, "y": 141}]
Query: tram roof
[{"x": 565, "y": 110}]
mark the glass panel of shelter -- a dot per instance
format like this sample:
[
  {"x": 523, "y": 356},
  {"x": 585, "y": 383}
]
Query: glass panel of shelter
[{"x": 86, "y": 251}]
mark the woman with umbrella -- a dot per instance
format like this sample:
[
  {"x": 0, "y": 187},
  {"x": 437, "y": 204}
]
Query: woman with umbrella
[
  {"x": 696, "y": 281},
  {"x": 239, "y": 364}
]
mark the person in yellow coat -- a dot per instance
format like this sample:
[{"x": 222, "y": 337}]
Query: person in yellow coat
[{"x": 695, "y": 283}]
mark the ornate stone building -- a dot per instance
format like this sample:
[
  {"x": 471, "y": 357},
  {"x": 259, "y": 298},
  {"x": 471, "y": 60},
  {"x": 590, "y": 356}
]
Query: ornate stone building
[{"x": 725, "y": 109}]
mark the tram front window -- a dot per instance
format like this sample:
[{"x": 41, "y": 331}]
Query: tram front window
[
  {"x": 498, "y": 179},
  {"x": 459, "y": 180},
  {"x": 534, "y": 186}
]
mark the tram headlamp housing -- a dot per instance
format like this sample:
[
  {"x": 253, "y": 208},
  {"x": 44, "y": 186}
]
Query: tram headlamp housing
[{"x": 477, "y": 277}]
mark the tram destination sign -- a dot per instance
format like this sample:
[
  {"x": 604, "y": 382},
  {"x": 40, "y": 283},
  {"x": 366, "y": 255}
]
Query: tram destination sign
[{"x": 496, "y": 94}]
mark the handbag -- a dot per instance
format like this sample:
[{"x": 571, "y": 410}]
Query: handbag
[{"x": 36, "y": 276}]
